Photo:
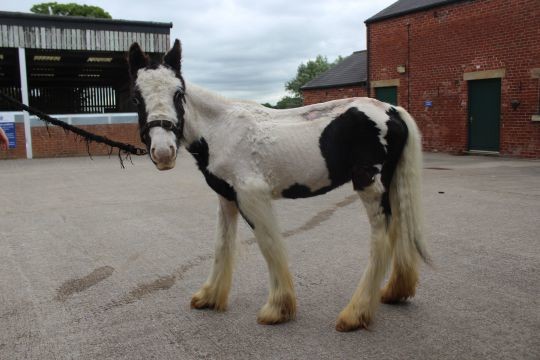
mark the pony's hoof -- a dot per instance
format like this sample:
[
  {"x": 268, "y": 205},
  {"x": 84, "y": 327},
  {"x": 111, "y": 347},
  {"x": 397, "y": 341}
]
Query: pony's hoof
[
  {"x": 203, "y": 300},
  {"x": 347, "y": 322},
  {"x": 271, "y": 314},
  {"x": 392, "y": 299},
  {"x": 400, "y": 287},
  {"x": 393, "y": 295}
]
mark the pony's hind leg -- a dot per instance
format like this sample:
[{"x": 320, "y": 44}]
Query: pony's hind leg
[
  {"x": 404, "y": 277},
  {"x": 361, "y": 308},
  {"x": 255, "y": 204},
  {"x": 215, "y": 291}
]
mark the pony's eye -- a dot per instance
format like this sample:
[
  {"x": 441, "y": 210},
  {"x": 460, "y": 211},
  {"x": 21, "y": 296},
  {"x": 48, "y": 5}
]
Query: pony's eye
[
  {"x": 178, "y": 95},
  {"x": 135, "y": 101}
]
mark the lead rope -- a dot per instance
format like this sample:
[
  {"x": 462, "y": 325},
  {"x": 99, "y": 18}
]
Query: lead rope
[{"x": 123, "y": 148}]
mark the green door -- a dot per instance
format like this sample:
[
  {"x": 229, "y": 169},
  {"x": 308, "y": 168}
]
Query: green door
[
  {"x": 484, "y": 114},
  {"x": 388, "y": 94}
]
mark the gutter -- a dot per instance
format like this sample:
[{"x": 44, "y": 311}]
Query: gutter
[
  {"x": 361, "y": 83},
  {"x": 376, "y": 18}
]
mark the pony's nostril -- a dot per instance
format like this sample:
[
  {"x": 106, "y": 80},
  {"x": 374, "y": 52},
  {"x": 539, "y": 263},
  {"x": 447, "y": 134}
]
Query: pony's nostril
[
  {"x": 153, "y": 152},
  {"x": 172, "y": 150}
]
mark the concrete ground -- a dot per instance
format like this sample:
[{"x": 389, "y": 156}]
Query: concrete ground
[{"x": 97, "y": 262}]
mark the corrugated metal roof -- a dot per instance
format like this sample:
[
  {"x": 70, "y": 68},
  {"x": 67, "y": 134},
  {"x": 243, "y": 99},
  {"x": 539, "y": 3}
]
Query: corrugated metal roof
[
  {"x": 403, "y": 7},
  {"x": 36, "y": 31},
  {"x": 350, "y": 71},
  {"x": 80, "y": 22}
]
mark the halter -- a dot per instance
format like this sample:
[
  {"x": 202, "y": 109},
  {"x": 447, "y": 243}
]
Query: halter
[{"x": 165, "y": 124}]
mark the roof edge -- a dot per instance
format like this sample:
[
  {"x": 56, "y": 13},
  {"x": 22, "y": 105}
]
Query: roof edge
[
  {"x": 78, "y": 19},
  {"x": 333, "y": 85},
  {"x": 374, "y": 19}
]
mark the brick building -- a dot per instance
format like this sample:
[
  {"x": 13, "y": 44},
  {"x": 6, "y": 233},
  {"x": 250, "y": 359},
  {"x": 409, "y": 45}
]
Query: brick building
[
  {"x": 346, "y": 79},
  {"x": 75, "y": 68},
  {"x": 467, "y": 70}
]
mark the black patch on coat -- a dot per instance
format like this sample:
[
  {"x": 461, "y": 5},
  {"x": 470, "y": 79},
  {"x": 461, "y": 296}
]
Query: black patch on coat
[
  {"x": 142, "y": 115},
  {"x": 396, "y": 137},
  {"x": 200, "y": 151},
  {"x": 245, "y": 218},
  {"x": 297, "y": 191},
  {"x": 351, "y": 148}
]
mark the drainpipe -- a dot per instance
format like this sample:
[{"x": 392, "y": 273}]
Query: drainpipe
[
  {"x": 408, "y": 67},
  {"x": 24, "y": 95},
  {"x": 368, "y": 52}
]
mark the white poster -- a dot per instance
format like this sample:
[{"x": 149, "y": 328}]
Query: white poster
[{"x": 7, "y": 117}]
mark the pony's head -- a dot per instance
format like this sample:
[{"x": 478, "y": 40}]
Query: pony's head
[{"x": 158, "y": 93}]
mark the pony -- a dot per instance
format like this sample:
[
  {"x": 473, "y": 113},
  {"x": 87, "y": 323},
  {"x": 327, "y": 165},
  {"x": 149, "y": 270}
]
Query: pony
[{"x": 250, "y": 155}]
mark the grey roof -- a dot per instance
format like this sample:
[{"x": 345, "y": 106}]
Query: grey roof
[
  {"x": 350, "y": 71},
  {"x": 403, "y": 7}
]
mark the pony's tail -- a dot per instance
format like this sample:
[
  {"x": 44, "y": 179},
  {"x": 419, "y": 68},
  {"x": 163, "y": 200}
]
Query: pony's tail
[{"x": 405, "y": 198}]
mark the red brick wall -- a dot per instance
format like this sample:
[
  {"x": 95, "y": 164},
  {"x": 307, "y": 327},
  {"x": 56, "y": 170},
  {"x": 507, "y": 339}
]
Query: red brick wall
[
  {"x": 60, "y": 144},
  {"x": 448, "y": 41},
  {"x": 321, "y": 95}
]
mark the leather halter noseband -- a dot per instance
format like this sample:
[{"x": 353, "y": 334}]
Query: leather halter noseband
[{"x": 165, "y": 124}]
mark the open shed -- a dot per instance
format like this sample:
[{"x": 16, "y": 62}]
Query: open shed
[{"x": 71, "y": 65}]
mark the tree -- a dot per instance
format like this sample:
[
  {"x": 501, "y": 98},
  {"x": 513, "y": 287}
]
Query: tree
[
  {"x": 288, "y": 102},
  {"x": 309, "y": 71},
  {"x": 71, "y": 9},
  {"x": 305, "y": 73}
]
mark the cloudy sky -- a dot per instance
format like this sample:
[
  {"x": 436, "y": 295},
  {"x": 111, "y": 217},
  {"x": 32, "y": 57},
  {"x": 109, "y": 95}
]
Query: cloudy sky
[{"x": 248, "y": 48}]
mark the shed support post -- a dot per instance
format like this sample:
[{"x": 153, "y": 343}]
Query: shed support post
[{"x": 24, "y": 95}]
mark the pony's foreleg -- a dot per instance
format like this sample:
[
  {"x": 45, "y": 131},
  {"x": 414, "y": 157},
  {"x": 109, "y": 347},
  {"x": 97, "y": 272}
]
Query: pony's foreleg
[
  {"x": 215, "y": 291},
  {"x": 361, "y": 308},
  {"x": 256, "y": 207}
]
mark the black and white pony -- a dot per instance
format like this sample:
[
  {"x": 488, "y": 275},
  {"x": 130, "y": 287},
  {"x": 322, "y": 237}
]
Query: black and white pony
[{"x": 250, "y": 155}]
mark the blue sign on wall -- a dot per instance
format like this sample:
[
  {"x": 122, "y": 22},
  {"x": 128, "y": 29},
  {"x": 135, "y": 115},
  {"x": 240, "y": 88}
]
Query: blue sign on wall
[
  {"x": 428, "y": 103},
  {"x": 9, "y": 129}
]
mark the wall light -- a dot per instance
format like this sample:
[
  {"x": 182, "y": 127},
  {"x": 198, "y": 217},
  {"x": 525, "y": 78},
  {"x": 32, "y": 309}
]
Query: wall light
[
  {"x": 47, "y": 58},
  {"x": 515, "y": 104},
  {"x": 99, "y": 59}
]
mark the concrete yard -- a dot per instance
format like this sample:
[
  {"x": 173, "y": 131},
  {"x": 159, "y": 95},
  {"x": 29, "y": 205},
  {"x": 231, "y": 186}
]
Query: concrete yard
[{"x": 97, "y": 262}]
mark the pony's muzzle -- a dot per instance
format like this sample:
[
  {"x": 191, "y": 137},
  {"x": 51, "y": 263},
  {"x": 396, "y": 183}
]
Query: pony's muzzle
[{"x": 164, "y": 156}]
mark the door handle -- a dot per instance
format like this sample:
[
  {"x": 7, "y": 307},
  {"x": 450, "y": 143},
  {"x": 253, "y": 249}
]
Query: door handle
[{"x": 471, "y": 119}]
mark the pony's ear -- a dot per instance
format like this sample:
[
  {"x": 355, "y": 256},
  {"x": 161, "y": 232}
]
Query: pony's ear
[
  {"x": 137, "y": 59},
  {"x": 174, "y": 56}
]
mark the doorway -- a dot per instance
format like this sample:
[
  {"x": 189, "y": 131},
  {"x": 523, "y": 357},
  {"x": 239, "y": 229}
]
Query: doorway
[
  {"x": 387, "y": 94},
  {"x": 484, "y": 114}
]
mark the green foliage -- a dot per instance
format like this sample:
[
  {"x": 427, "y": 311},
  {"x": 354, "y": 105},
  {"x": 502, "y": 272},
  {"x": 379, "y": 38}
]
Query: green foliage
[
  {"x": 305, "y": 73},
  {"x": 288, "y": 102},
  {"x": 71, "y": 9}
]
